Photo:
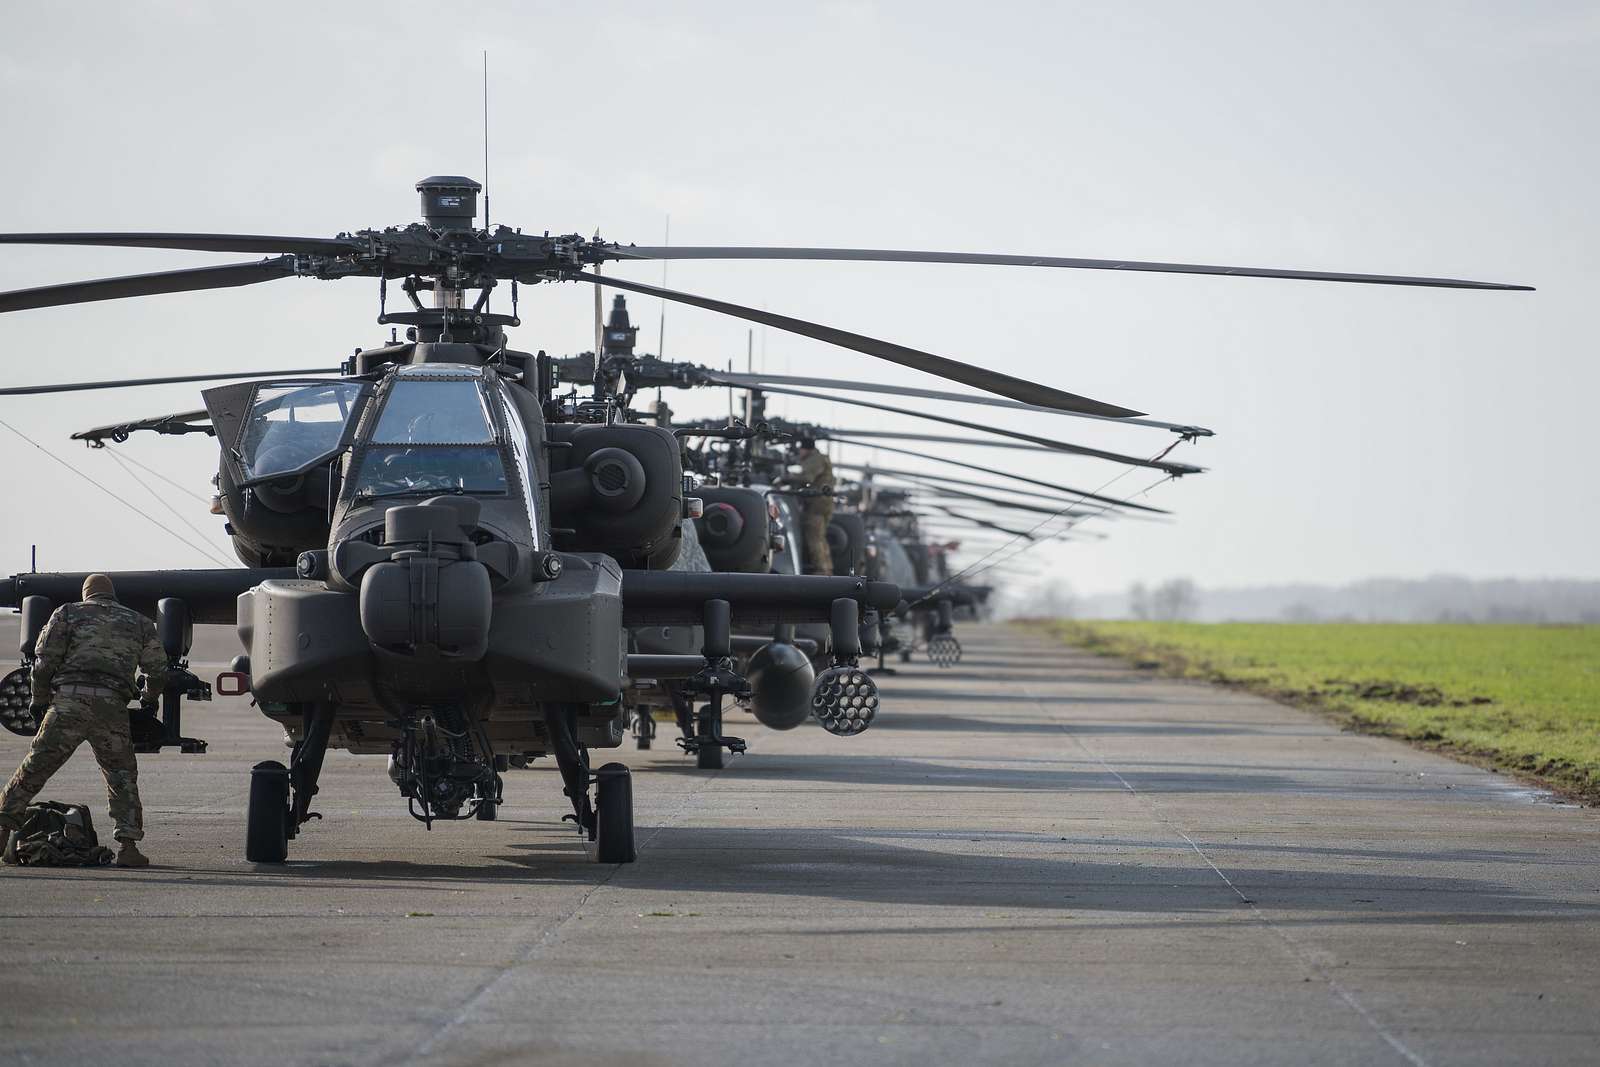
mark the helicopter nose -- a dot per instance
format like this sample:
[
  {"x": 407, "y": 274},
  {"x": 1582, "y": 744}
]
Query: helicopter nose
[{"x": 426, "y": 601}]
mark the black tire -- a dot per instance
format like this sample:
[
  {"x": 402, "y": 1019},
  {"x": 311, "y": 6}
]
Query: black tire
[
  {"x": 266, "y": 838},
  {"x": 613, "y": 797},
  {"x": 708, "y": 756},
  {"x": 489, "y": 806}
]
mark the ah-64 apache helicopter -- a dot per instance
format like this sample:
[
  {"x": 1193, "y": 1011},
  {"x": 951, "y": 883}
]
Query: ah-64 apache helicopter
[
  {"x": 751, "y": 523},
  {"x": 442, "y": 558}
]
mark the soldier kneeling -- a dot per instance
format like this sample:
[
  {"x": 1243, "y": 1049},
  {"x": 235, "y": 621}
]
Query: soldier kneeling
[{"x": 84, "y": 671}]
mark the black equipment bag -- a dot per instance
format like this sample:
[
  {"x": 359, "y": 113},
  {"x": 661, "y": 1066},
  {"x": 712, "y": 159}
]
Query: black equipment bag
[{"x": 57, "y": 835}]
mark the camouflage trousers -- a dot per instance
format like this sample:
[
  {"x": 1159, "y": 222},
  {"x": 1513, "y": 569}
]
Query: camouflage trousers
[
  {"x": 814, "y": 530},
  {"x": 72, "y": 720}
]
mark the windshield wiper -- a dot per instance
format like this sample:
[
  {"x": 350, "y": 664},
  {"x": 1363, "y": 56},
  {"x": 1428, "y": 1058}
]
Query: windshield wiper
[{"x": 451, "y": 490}]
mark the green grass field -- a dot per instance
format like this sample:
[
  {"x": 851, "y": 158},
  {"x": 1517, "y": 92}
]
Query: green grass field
[{"x": 1523, "y": 698}]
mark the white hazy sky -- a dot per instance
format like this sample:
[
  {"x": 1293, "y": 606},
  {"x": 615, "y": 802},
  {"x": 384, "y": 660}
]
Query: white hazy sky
[{"x": 1361, "y": 430}]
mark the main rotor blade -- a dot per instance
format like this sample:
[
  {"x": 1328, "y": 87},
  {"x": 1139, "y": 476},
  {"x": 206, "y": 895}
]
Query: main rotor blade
[
  {"x": 931, "y": 493},
  {"x": 1070, "y": 534},
  {"x": 954, "y": 370},
  {"x": 891, "y": 255},
  {"x": 1053, "y": 445},
  {"x": 194, "y": 242},
  {"x": 936, "y": 479},
  {"x": 934, "y": 438},
  {"x": 986, "y": 524},
  {"x": 75, "y": 387},
  {"x": 759, "y": 381},
  {"x": 172, "y": 281},
  {"x": 1079, "y": 493}
]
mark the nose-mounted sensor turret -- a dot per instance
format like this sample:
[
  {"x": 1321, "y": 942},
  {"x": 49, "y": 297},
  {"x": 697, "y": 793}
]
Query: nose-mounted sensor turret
[{"x": 449, "y": 201}]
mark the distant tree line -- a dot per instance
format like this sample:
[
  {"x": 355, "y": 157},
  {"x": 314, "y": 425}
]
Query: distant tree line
[{"x": 1441, "y": 598}]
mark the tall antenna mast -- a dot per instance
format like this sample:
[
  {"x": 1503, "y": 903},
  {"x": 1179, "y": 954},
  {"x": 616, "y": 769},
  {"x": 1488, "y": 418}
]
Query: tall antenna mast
[
  {"x": 661, "y": 335},
  {"x": 486, "y": 295},
  {"x": 485, "y": 138}
]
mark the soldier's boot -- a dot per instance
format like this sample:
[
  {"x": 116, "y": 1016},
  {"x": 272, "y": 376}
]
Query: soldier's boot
[
  {"x": 130, "y": 856},
  {"x": 6, "y": 855}
]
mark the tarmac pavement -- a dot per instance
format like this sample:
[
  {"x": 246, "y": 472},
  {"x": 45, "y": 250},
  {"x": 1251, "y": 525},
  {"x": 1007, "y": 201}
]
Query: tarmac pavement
[{"x": 1035, "y": 857}]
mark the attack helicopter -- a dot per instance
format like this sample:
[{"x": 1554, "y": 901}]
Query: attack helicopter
[
  {"x": 442, "y": 555},
  {"x": 738, "y": 530},
  {"x": 756, "y": 456},
  {"x": 744, "y": 527},
  {"x": 749, "y": 523}
]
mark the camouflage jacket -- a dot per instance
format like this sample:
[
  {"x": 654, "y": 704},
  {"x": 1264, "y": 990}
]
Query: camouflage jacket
[
  {"x": 816, "y": 472},
  {"x": 97, "y": 642}
]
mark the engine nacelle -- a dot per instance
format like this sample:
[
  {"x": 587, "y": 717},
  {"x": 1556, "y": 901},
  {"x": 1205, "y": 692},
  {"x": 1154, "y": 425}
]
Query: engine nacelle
[
  {"x": 735, "y": 530},
  {"x": 618, "y": 490},
  {"x": 272, "y": 523}
]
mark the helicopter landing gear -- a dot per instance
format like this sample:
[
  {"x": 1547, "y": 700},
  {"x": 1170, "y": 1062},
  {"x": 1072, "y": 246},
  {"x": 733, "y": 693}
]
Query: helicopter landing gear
[
  {"x": 266, "y": 835},
  {"x": 490, "y": 797},
  {"x": 708, "y": 747},
  {"x": 644, "y": 728},
  {"x": 715, "y": 680},
  {"x": 280, "y": 797},
  {"x": 489, "y": 802},
  {"x": 614, "y": 815},
  {"x": 708, "y": 740},
  {"x": 885, "y": 643},
  {"x": 609, "y": 821}
]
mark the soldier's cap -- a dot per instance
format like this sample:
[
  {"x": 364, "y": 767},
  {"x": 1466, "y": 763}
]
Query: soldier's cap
[
  {"x": 808, "y": 442},
  {"x": 98, "y": 585}
]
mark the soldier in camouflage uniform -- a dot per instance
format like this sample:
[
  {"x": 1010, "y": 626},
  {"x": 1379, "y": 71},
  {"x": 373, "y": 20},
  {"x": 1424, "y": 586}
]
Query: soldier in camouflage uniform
[
  {"x": 816, "y": 472},
  {"x": 84, "y": 672}
]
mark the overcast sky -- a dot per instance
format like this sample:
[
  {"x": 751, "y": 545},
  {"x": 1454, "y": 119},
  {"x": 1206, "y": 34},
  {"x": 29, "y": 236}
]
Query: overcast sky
[{"x": 1362, "y": 430}]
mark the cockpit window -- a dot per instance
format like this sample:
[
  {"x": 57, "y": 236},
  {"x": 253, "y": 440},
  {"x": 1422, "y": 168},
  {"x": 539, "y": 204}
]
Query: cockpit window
[
  {"x": 292, "y": 425},
  {"x": 398, "y": 470},
  {"x": 434, "y": 413}
]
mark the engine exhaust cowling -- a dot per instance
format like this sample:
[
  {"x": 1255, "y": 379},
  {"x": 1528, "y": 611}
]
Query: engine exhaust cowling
[{"x": 781, "y": 682}]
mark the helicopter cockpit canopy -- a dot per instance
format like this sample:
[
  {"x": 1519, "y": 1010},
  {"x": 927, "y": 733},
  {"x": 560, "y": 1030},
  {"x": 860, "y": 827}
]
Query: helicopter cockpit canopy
[
  {"x": 279, "y": 429},
  {"x": 435, "y": 434}
]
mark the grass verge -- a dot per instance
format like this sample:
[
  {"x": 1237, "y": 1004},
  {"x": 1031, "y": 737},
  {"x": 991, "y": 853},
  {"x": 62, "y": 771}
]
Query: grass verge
[{"x": 1525, "y": 699}]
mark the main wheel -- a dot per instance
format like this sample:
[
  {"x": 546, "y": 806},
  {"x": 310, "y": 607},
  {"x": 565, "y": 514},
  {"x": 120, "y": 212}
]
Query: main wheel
[
  {"x": 489, "y": 806},
  {"x": 266, "y": 837},
  {"x": 708, "y": 756},
  {"x": 613, "y": 800}
]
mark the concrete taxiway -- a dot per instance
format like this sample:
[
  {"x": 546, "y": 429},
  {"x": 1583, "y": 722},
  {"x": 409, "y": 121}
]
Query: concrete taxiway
[{"x": 1037, "y": 856}]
